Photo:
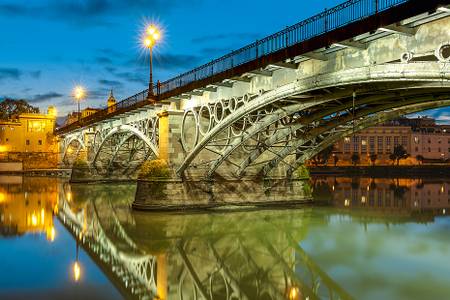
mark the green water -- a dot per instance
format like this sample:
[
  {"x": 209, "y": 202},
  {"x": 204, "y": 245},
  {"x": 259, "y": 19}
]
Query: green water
[{"x": 363, "y": 239}]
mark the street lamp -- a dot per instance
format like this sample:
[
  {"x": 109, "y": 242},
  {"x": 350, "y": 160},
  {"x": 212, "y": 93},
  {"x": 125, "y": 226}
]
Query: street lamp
[
  {"x": 152, "y": 35},
  {"x": 79, "y": 93}
]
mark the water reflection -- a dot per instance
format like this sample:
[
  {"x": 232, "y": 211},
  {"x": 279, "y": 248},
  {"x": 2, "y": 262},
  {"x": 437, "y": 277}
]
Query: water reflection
[
  {"x": 237, "y": 255},
  {"x": 376, "y": 239},
  {"x": 385, "y": 195},
  {"x": 28, "y": 212}
]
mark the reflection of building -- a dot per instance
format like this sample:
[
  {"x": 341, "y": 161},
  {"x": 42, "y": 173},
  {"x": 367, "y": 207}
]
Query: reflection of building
[
  {"x": 28, "y": 133},
  {"x": 389, "y": 194},
  {"x": 419, "y": 137},
  {"x": 28, "y": 212}
]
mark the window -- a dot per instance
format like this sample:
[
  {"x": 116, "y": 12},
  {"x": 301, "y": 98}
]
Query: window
[
  {"x": 380, "y": 145},
  {"x": 40, "y": 142},
  {"x": 363, "y": 144},
  {"x": 36, "y": 126},
  {"x": 404, "y": 141},
  {"x": 372, "y": 144},
  {"x": 429, "y": 149},
  {"x": 396, "y": 140},
  {"x": 28, "y": 142},
  {"x": 355, "y": 144}
]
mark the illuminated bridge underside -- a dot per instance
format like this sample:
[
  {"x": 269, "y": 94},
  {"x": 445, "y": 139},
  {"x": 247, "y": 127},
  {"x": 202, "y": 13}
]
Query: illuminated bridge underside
[
  {"x": 275, "y": 132},
  {"x": 267, "y": 122}
]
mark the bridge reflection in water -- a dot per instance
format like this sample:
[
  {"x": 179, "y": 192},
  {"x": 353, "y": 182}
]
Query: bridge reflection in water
[
  {"x": 200, "y": 256},
  {"x": 230, "y": 255}
]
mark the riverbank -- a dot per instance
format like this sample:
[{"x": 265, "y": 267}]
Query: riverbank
[
  {"x": 383, "y": 171},
  {"x": 64, "y": 173}
]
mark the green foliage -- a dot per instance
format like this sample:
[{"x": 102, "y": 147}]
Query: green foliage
[
  {"x": 302, "y": 172},
  {"x": 10, "y": 107},
  {"x": 80, "y": 164},
  {"x": 373, "y": 158},
  {"x": 154, "y": 169}
]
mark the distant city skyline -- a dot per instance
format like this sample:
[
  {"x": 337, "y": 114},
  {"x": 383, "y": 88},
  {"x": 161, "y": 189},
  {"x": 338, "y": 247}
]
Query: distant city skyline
[{"x": 51, "y": 46}]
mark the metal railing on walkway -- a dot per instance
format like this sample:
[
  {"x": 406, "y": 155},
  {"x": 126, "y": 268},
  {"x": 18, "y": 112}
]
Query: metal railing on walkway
[{"x": 330, "y": 19}]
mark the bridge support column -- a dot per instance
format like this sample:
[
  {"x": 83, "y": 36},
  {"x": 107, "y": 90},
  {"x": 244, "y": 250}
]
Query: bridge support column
[
  {"x": 164, "y": 132},
  {"x": 169, "y": 137}
]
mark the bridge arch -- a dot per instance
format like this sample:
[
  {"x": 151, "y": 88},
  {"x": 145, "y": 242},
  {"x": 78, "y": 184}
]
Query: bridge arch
[
  {"x": 72, "y": 148},
  {"x": 123, "y": 149},
  {"x": 321, "y": 99}
]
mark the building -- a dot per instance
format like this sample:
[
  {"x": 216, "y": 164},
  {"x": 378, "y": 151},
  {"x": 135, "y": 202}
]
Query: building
[
  {"x": 74, "y": 116},
  {"x": 28, "y": 133},
  {"x": 422, "y": 138}
]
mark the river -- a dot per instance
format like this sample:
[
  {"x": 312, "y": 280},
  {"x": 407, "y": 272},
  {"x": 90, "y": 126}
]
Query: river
[{"x": 363, "y": 238}]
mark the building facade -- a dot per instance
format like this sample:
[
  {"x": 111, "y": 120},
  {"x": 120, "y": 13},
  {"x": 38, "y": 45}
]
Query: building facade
[
  {"x": 422, "y": 138},
  {"x": 29, "y": 133}
]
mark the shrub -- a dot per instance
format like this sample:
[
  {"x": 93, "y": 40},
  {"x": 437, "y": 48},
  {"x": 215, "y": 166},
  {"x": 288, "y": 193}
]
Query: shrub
[
  {"x": 80, "y": 164},
  {"x": 302, "y": 172},
  {"x": 154, "y": 169}
]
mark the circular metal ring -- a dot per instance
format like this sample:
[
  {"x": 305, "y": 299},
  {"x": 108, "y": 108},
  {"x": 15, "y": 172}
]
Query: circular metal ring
[
  {"x": 183, "y": 124},
  {"x": 407, "y": 57},
  {"x": 219, "y": 111},
  {"x": 442, "y": 53},
  {"x": 201, "y": 112}
]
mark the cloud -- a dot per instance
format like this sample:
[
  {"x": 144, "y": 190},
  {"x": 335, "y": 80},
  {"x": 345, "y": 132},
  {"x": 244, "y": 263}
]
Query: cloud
[
  {"x": 103, "y": 60},
  {"x": 132, "y": 77},
  {"x": 110, "y": 83},
  {"x": 10, "y": 73},
  {"x": 88, "y": 12},
  {"x": 36, "y": 74},
  {"x": 223, "y": 36},
  {"x": 45, "y": 97}
]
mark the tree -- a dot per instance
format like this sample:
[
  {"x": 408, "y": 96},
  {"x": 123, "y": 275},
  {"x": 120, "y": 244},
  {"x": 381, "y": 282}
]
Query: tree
[
  {"x": 373, "y": 158},
  {"x": 355, "y": 158},
  {"x": 335, "y": 159},
  {"x": 10, "y": 107},
  {"x": 323, "y": 156},
  {"x": 399, "y": 153},
  {"x": 420, "y": 158}
]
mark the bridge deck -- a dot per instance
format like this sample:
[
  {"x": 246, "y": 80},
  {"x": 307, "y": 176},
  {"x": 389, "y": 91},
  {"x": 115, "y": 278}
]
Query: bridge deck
[{"x": 343, "y": 22}]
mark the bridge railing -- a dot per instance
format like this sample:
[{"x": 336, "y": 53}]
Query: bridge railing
[{"x": 330, "y": 19}]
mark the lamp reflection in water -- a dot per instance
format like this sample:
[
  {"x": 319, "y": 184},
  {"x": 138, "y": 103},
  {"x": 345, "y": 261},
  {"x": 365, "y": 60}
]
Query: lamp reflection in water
[
  {"x": 76, "y": 267},
  {"x": 294, "y": 293}
]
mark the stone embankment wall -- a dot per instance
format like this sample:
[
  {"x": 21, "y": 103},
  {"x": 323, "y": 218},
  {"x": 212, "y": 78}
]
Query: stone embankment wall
[
  {"x": 32, "y": 160},
  {"x": 178, "y": 195}
]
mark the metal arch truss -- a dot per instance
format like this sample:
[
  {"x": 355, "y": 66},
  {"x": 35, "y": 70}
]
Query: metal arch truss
[
  {"x": 71, "y": 149},
  {"x": 258, "y": 133},
  {"x": 121, "y": 149}
]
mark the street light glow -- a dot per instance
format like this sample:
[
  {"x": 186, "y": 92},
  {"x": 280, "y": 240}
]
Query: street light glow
[
  {"x": 152, "y": 34},
  {"x": 79, "y": 92}
]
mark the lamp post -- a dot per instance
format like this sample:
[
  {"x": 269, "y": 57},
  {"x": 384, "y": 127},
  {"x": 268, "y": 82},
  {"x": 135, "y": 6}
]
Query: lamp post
[
  {"x": 152, "y": 35},
  {"x": 79, "y": 93}
]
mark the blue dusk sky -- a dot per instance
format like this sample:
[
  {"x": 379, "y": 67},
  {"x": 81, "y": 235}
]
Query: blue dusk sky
[{"x": 48, "y": 47}]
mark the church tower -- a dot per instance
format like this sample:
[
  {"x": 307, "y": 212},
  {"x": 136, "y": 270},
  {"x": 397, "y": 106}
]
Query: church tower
[{"x": 111, "y": 102}]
